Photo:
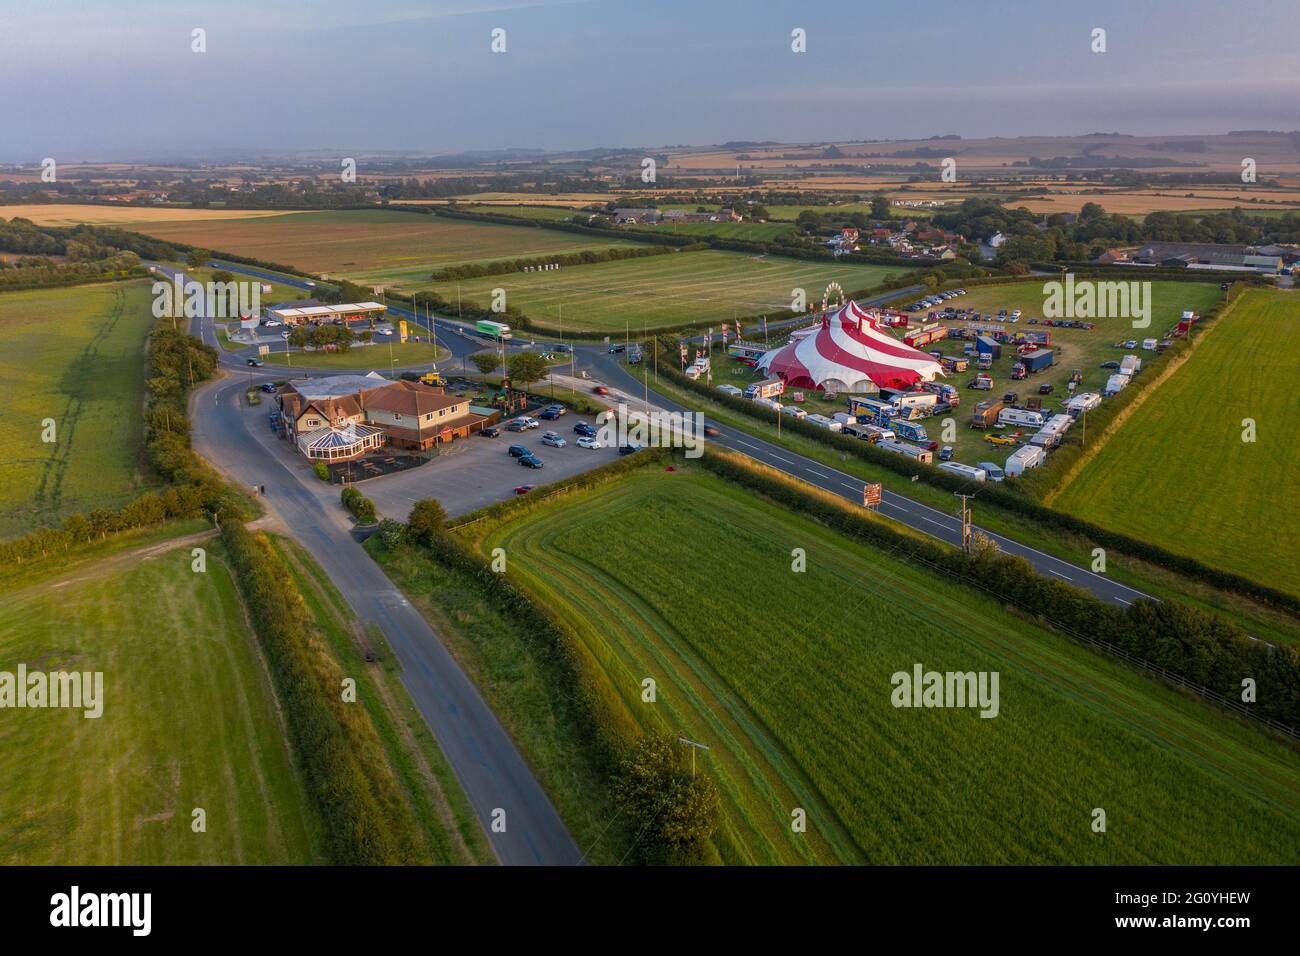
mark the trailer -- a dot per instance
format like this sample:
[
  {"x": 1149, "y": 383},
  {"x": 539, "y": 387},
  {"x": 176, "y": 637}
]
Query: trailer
[
  {"x": 768, "y": 388},
  {"x": 1036, "y": 360},
  {"x": 1116, "y": 384},
  {"x": 919, "y": 338},
  {"x": 1083, "y": 402},
  {"x": 821, "y": 421},
  {"x": 966, "y": 471},
  {"x": 1022, "y": 417},
  {"x": 1130, "y": 365},
  {"x": 987, "y": 345},
  {"x": 986, "y": 414},
  {"x": 915, "y": 452},
  {"x": 1024, "y": 458},
  {"x": 954, "y": 364}
]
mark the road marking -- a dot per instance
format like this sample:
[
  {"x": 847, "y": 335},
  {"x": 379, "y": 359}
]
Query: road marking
[
  {"x": 1122, "y": 601},
  {"x": 854, "y": 487},
  {"x": 746, "y": 444},
  {"x": 817, "y": 473},
  {"x": 1059, "y": 574},
  {"x": 779, "y": 458}
]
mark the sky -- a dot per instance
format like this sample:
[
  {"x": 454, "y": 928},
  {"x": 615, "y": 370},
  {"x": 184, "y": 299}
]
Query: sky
[{"x": 111, "y": 79}]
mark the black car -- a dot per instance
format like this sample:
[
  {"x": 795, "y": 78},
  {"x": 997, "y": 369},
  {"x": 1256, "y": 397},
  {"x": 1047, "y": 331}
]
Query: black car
[
  {"x": 268, "y": 387},
  {"x": 256, "y": 363},
  {"x": 530, "y": 461},
  {"x": 627, "y": 449},
  {"x": 585, "y": 428},
  {"x": 615, "y": 348},
  {"x": 490, "y": 432},
  {"x": 1011, "y": 397},
  {"x": 549, "y": 414},
  {"x": 1110, "y": 364},
  {"x": 1046, "y": 388},
  {"x": 518, "y": 451}
]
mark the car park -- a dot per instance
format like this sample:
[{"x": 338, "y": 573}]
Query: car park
[{"x": 586, "y": 441}]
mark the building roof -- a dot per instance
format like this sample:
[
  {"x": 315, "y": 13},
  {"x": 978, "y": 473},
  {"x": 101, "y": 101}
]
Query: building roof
[
  {"x": 410, "y": 398},
  {"x": 333, "y": 386},
  {"x": 346, "y": 436},
  {"x": 318, "y": 311}
]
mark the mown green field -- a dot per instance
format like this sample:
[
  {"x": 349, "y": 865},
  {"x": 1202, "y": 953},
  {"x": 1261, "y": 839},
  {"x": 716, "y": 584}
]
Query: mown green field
[
  {"x": 75, "y": 356},
  {"x": 752, "y": 231},
  {"x": 189, "y": 721},
  {"x": 664, "y": 291},
  {"x": 1178, "y": 473},
  {"x": 786, "y": 676},
  {"x": 372, "y": 247}
]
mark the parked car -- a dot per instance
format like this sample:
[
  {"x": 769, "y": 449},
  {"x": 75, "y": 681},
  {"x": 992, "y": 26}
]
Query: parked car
[
  {"x": 490, "y": 432},
  {"x": 529, "y": 422},
  {"x": 523, "y": 489},
  {"x": 999, "y": 439},
  {"x": 516, "y": 425},
  {"x": 586, "y": 441},
  {"x": 268, "y": 386},
  {"x": 530, "y": 461},
  {"x": 628, "y": 449},
  {"x": 518, "y": 451},
  {"x": 1109, "y": 365},
  {"x": 1046, "y": 388},
  {"x": 1010, "y": 398},
  {"x": 549, "y": 414},
  {"x": 554, "y": 440},
  {"x": 945, "y": 453}
]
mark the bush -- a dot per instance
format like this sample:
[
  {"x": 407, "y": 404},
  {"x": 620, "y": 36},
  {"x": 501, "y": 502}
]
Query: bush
[
  {"x": 427, "y": 521},
  {"x": 362, "y": 508},
  {"x": 366, "y": 820},
  {"x": 322, "y": 470},
  {"x": 674, "y": 809}
]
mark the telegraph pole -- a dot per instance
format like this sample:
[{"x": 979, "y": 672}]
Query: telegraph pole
[
  {"x": 694, "y": 747},
  {"x": 966, "y": 536}
]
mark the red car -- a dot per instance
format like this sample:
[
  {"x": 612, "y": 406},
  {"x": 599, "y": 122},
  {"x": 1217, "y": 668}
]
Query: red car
[
  {"x": 524, "y": 489},
  {"x": 601, "y": 390}
]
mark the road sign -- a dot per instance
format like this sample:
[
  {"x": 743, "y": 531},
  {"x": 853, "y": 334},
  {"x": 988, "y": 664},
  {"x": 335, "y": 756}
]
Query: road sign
[
  {"x": 871, "y": 495},
  {"x": 401, "y": 325},
  {"x": 264, "y": 350}
]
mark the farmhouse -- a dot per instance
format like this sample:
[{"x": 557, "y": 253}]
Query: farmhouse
[
  {"x": 635, "y": 215},
  {"x": 313, "y": 312},
  {"x": 343, "y": 417}
]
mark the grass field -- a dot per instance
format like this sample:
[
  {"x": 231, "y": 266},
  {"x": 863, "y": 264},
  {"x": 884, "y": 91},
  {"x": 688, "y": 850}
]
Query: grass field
[
  {"x": 787, "y": 679},
  {"x": 1074, "y": 348},
  {"x": 189, "y": 720},
  {"x": 377, "y": 247},
  {"x": 76, "y": 356},
  {"x": 375, "y": 356},
  {"x": 662, "y": 291},
  {"x": 752, "y": 231},
  {"x": 1178, "y": 473}
]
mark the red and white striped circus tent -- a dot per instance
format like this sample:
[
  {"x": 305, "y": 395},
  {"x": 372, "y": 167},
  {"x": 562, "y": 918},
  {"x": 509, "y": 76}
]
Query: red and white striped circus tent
[{"x": 848, "y": 352}]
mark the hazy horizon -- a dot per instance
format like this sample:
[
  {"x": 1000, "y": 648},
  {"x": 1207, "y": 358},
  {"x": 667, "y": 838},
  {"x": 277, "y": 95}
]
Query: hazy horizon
[{"x": 119, "y": 82}]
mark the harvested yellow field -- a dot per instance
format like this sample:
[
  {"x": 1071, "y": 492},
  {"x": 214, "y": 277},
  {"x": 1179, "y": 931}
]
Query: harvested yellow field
[
  {"x": 1135, "y": 204},
  {"x": 71, "y": 214}
]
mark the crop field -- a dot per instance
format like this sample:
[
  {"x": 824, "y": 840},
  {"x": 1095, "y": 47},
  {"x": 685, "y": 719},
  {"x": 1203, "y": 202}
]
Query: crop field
[
  {"x": 126, "y": 217},
  {"x": 787, "y": 678},
  {"x": 751, "y": 231},
  {"x": 1178, "y": 473},
  {"x": 546, "y": 213},
  {"x": 75, "y": 356},
  {"x": 1073, "y": 348},
  {"x": 377, "y": 247},
  {"x": 662, "y": 291},
  {"x": 189, "y": 721}
]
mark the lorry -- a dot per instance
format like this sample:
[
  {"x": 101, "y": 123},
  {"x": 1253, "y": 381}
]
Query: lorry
[
  {"x": 985, "y": 361},
  {"x": 1024, "y": 458},
  {"x": 493, "y": 330},
  {"x": 1036, "y": 360},
  {"x": 1020, "y": 417},
  {"x": 983, "y": 382},
  {"x": 954, "y": 364},
  {"x": 906, "y": 401},
  {"x": 768, "y": 388},
  {"x": 872, "y": 408},
  {"x": 912, "y": 431},
  {"x": 986, "y": 414},
  {"x": 987, "y": 345}
]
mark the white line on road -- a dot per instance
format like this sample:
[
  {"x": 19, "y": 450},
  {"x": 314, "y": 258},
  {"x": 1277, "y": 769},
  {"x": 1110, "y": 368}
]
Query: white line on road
[
  {"x": 786, "y": 460},
  {"x": 817, "y": 473},
  {"x": 1059, "y": 574}
]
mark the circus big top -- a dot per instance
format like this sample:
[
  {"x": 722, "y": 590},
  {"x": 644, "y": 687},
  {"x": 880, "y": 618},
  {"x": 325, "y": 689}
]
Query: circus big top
[{"x": 848, "y": 352}]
